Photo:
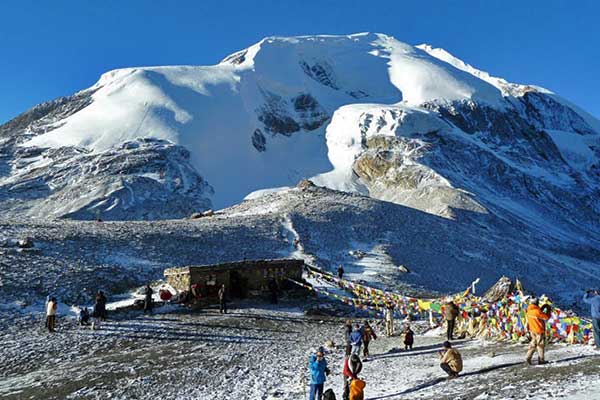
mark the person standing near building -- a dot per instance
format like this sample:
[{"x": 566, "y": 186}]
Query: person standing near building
[
  {"x": 592, "y": 298},
  {"x": 317, "y": 366},
  {"x": 148, "y": 299},
  {"x": 274, "y": 290},
  {"x": 450, "y": 314},
  {"x": 51, "y": 308},
  {"x": 536, "y": 324},
  {"x": 222, "y": 300}
]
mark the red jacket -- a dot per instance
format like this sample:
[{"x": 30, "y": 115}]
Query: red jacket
[{"x": 352, "y": 374}]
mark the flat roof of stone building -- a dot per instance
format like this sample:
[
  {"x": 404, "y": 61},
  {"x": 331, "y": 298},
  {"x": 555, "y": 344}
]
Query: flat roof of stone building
[{"x": 243, "y": 264}]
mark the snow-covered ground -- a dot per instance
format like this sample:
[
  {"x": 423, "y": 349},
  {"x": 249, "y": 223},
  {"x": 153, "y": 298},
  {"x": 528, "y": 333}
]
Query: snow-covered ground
[{"x": 259, "y": 351}]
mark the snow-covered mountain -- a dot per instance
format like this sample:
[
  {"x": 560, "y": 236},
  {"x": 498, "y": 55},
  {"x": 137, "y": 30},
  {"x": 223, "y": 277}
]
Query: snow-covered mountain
[{"x": 362, "y": 113}]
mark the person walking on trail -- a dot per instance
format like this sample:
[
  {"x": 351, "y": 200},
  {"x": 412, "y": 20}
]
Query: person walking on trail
[
  {"x": 450, "y": 314},
  {"x": 148, "y": 292},
  {"x": 368, "y": 334},
  {"x": 347, "y": 334},
  {"x": 536, "y": 324},
  {"x": 409, "y": 338},
  {"x": 340, "y": 272},
  {"x": 389, "y": 320},
  {"x": 352, "y": 367},
  {"x": 51, "y": 308},
  {"x": 317, "y": 366},
  {"x": 222, "y": 300},
  {"x": 100, "y": 306},
  {"x": 450, "y": 360},
  {"x": 356, "y": 339},
  {"x": 592, "y": 298}
]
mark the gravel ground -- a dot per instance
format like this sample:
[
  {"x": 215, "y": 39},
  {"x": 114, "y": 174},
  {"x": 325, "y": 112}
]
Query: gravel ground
[{"x": 258, "y": 351}]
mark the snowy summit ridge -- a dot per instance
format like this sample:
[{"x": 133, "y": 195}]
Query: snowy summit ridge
[{"x": 364, "y": 113}]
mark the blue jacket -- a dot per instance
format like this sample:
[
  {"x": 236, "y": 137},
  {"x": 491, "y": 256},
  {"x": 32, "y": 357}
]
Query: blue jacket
[
  {"x": 594, "y": 301},
  {"x": 356, "y": 338},
  {"x": 317, "y": 369}
]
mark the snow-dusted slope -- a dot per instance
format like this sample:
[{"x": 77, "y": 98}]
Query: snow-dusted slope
[{"x": 362, "y": 113}]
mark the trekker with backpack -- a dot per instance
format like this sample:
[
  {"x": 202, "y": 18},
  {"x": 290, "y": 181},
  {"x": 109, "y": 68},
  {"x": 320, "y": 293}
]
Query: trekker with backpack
[{"x": 352, "y": 367}]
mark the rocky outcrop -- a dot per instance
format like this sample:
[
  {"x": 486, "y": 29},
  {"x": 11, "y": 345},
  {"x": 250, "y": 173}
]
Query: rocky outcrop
[
  {"x": 280, "y": 116},
  {"x": 143, "y": 179}
]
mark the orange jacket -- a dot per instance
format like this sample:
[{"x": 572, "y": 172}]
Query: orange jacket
[
  {"x": 536, "y": 319},
  {"x": 357, "y": 389}
]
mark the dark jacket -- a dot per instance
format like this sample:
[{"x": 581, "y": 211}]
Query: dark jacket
[
  {"x": 148, "y": 293},
  {"x": 409, "y": 337},
  {"x": 368, "y": 333}
]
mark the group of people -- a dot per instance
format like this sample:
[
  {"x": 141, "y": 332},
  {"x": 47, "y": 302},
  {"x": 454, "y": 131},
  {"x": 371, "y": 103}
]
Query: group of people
[
  {"x": 83, "y": 317},
  {"x": 451, "y": 362},
  {"x": 357, "y": 337}
]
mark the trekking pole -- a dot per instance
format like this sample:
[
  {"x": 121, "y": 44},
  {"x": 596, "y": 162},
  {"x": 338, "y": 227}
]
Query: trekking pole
[{"x": 303, "y": 382}]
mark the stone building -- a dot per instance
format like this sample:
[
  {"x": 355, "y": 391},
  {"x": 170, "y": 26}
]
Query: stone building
[{"x": 248, "y": 278}]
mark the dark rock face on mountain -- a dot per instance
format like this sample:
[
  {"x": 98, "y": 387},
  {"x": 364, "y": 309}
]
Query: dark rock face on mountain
[{"x": 143, "y": 179}]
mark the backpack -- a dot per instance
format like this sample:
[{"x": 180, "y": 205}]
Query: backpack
[
  {"x": 329, "y": 395},
  {"x": 357, "y": 389}
]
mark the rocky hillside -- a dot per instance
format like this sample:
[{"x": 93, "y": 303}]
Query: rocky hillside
[
  {"x": 363, "y": 113},
  {"x": 432, "y": 166}
]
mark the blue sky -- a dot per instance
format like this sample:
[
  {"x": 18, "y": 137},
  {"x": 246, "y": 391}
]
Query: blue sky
[{"x": 54, "y": 48}]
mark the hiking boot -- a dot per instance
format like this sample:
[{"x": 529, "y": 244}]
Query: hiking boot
[
  {"x": 542, "y": 362},
  {"x": 528, "y": 363}
]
